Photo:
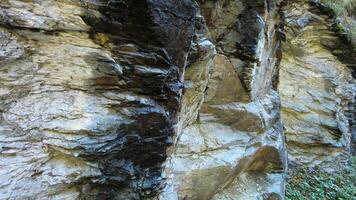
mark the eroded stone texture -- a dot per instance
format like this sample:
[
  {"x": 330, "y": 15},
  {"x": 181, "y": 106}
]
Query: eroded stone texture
[
  {"x": 166, "y": 99},
  {"x": 247, "y": 32},
  {"x": 233, "y": 146},
  {"x": 316, "y": 87},
  {"x": 89, "y": 95}
]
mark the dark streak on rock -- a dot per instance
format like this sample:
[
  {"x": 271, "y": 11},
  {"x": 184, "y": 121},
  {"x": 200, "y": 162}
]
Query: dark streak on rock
[{"x": 157, "y": 35}]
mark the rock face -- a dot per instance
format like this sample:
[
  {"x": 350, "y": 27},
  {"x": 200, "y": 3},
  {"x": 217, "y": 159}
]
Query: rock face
[
  {"x": 316, "y": 88},
  {"x": 166, "y": 99},
  {"x": 90, "y": 93},
  {"x": 233, "y": 147}
]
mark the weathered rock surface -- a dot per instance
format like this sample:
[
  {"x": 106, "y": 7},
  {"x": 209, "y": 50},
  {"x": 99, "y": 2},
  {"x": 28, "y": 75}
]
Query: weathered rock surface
[
  {"x": 166, "y": 99},
  {"x": 316, "y": 88},
  {"x": 233, "y": 147},
  {"x": 90, "y": 92},
  {"x": 91, "y": 99}
]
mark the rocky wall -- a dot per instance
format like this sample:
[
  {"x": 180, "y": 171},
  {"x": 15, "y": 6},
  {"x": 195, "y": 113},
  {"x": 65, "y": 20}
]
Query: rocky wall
[
  {"x": 168, "y": 99},
  {"x": 89, "y": 95},
  {"x": 316, "y": 87},
  {"x": 233, "y": 146}
]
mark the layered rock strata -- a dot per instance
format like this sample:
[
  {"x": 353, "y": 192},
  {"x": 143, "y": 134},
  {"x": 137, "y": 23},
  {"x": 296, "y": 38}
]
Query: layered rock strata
[
  {"x": 91, "y": 99},
  {"x": 233, "y": 146},
  {"x": 167, "y": 99},
  {"x": 90, "y": 92},
  {"x": 316, "y": 87}
]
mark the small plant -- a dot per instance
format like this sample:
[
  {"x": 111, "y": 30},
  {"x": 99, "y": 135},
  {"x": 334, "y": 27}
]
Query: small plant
[
  {"x": 345, "y": 12},
  {"x": 314, "y": 184}
]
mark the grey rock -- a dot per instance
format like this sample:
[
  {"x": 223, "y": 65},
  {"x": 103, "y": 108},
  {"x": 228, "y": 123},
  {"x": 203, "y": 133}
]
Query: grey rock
[
  {"x": 10, "y": 49},
  {"x": 168, "y": 99}
]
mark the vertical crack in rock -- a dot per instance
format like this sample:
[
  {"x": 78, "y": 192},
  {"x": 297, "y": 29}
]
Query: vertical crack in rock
[
  {"x": 167, "y": 99},
  {"x": 250, "y": 27},
  {"x": 230, "y": 113}
]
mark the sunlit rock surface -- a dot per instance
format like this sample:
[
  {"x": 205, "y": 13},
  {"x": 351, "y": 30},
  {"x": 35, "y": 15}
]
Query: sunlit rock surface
[
  {"x": 89, "y": 95},
  {"x": 233, "y": 147},
  {"x": 167, "y": 99},
  {"x": 91, "y": 98},
  {"x": 316, "y": 88}
]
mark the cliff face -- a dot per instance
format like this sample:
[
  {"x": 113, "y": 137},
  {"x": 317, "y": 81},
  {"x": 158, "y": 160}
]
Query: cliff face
[
  {"x": 90, "y": 93},
  {"x": 232, "y": 147},
  {"x": 317, "y": 88},
  {"x": 166, "y": 99}
]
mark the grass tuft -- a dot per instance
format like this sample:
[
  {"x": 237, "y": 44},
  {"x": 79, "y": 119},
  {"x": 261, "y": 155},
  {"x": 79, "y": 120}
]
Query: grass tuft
[{"x": 345, "y": 11}]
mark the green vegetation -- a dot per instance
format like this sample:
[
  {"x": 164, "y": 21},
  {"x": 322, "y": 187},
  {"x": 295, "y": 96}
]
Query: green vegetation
[
  {"x": 313, "y": 184},
  {"x": 345, "y": 12}
]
